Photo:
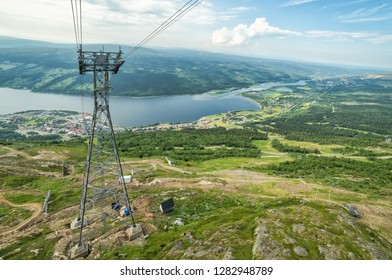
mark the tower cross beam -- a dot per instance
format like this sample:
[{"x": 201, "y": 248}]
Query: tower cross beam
[{"x": 99, "y": 61}]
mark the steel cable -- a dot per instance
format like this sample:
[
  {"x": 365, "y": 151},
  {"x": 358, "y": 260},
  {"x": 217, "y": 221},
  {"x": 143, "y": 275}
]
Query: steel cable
[{"x": 186, "y": 8}]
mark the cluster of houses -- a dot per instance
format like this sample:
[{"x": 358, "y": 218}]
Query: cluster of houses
[
  {"x": 67, "y": 124},
  {"x": 70, "y": 124}
]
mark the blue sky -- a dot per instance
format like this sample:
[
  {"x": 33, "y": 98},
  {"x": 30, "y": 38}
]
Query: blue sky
[{"x": 353, "y": 32}]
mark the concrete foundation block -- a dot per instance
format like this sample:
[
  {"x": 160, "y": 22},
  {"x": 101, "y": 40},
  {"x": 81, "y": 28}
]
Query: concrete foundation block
[
  {"x": 80, "y": 250},
  {"x": 134, "y": 232},
  {"x": 77, "y": 223}
]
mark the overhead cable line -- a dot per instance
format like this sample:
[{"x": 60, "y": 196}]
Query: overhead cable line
[
  {"x": 77, "y": 21},
  {"x": 81, "y": 23},
  {"x": 75, "y": 25},
  {"x": 172, "y": 19}
]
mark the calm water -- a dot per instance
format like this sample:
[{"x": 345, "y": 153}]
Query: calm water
[
  {"x": 128, "y": 111},
  {"x": 132, "y": 112}
]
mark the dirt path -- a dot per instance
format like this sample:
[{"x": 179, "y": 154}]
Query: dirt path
[
  {"x": 36, "y": 207},
  {"x": 155, "y": 163},
  {"x": 15, "y": 152}
]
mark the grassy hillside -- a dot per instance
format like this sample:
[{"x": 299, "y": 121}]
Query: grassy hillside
[{"x": 227, "y": 212}]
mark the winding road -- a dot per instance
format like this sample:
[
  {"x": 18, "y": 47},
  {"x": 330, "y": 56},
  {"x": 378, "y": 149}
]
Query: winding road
[{"x": 36, "y": 207}]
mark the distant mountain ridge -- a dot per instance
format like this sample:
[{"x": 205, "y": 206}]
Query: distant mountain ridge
[
  {"x": 12, "y": 42},
  {"x": 49, "y": 67}
]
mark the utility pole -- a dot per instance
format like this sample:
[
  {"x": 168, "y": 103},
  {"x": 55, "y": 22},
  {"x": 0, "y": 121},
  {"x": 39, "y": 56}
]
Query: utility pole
[{"x": 104, "y": 192}]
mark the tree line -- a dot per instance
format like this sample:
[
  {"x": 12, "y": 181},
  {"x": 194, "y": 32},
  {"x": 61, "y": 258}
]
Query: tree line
[
  {"x": 284, "y": 148},
  {"x": 192, "y": 144}
]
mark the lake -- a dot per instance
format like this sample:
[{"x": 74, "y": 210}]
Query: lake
[{"x": 134, "y": 112}]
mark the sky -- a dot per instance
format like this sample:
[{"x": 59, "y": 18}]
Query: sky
[{"x": 346, "y": 32}]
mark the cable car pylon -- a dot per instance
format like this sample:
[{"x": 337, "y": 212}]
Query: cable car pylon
[{"x": 104, "y": 191}]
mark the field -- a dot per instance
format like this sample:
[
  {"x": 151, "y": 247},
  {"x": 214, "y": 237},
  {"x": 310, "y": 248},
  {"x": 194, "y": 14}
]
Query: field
[{"x": 275, "y": 187}]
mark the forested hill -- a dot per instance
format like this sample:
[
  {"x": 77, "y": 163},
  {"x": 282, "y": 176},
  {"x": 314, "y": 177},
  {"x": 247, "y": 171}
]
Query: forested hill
[{"x": 48, "y": 67}]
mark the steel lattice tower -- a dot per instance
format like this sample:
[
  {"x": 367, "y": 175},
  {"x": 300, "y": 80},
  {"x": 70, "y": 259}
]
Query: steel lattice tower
[
  {"x": 104, "y": 191},
  {"x": 104, "y": 183}
]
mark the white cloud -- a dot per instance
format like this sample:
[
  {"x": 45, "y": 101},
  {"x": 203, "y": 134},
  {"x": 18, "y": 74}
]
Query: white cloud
[
  {"x": 154, "y": 12},
  {"x": 379, "y": 13},
  {"x": 206, "y": 14},
  {"x": 137, "y": 18},
  {"x": 128, "y": 13},
  {"x": 340, "y": 34},
  {"x": 296, "y": 2},
  {"x": 242, "y": 34},
  {"x": 239, "y": 9},
  {"x": 39, "y": 19},
  {"x": 372, "y": 37},
  {"x": 381, "y": 39},
  {"x": 116, "y": 21}
]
